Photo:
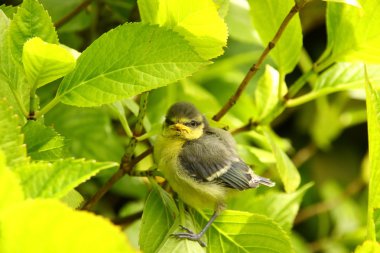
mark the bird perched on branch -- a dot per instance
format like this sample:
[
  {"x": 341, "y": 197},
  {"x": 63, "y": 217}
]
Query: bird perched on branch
[{"x": 201, "y": 163}]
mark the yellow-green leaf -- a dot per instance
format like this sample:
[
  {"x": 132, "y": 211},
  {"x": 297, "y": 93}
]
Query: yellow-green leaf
[
  {"x": 48, "y": 226},
  {"x": 45, "y": 62},
  {"x": 198, "y": 21}
]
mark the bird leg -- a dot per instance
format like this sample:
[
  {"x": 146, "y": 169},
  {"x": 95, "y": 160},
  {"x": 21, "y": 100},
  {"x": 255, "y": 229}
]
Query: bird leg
[{"x": 190, "y": 235}]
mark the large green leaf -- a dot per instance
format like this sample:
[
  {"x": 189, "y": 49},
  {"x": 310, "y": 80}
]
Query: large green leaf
[
  {"x": 11, "y": 140},
  {"x": 42, "y": 142},
  {"x": 362, "y": 41},
  {"x": 148, "y": 58},
  {"x": 198, "y": 21},
  {"x": 281, "y": 207},
  {"x": 45, "y": 62},
  {"x": 267, "y": 17},
  {"x": 158, "y": 217},
  {"x": 48, "y": 226},
  {"x": 373, "y": 117},
  {"x": 8, "y": 10},
  {"x": 10, "y": 188},
  {"x": 31, "y": 20},
  {"x": 55, "y": 180},
  {"x": 235, "y": 231}
]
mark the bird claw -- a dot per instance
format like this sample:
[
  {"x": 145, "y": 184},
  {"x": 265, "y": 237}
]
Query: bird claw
[{"x": 190, "y": 235}]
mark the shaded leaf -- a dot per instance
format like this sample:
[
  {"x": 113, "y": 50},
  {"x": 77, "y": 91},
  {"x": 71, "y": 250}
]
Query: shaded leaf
[
  {"x": 148, "y": 58},
  {"x": 55, "y": 180},
  {"x": 73, "y": 199},
  {"x": 198, "y": 21},
  {"x": 42, "y": 142},
  {"x": 8, "y": 10},
  {"x": 267, "y": 16},
  {"x": 281, "y": 207},
  {"x": 45, "y": 62},
  {"x": 158, "y": 217},
  {"x": 24, "y": 226}
]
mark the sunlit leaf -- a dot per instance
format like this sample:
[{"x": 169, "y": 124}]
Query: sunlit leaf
[
  {"x": 361, "y": 43},
  {"x": 368, "y": 247},
  {"x": 26, "y": 225},
  {"x": 31, "y": 20},
  {"x": 148, "y": 58},
  {"x": 235, "y": 231},
  {"x": 11, "y": 140},
  {"x": 198, "y": 21},
  {"x": 373, "y": 117},
  {"x": 350, "y": 2},
  {"x": 45, "y": 62},
  {"x": 10, "y": 188}
]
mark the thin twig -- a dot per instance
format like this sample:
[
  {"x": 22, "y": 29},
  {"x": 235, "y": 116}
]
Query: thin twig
[
  {"x": 72, "y": 14},
  {"x": 255, "y": 67},
  {"x": 245, "y": 127},
  {"x": 115, "y": 177},
  {"x": 127, "y": 163}
]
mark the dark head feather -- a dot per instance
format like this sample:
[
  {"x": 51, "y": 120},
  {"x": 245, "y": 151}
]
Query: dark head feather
[{"x": 183, "y": 110}]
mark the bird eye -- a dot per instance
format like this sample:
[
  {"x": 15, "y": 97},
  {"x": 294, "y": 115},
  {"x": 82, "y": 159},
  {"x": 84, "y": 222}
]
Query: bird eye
[
  {"x": 169, "y": 122},
  {"x": 192, "y": 123}
]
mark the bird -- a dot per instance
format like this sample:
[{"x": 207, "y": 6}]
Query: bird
[{"x": 201, "y": 163}]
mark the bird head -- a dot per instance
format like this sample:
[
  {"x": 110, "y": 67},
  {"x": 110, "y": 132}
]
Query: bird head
[{"x": 184, "y": 121}]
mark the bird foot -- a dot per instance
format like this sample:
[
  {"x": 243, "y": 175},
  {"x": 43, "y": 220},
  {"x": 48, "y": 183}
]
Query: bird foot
[{"x": 190, "y": 235}]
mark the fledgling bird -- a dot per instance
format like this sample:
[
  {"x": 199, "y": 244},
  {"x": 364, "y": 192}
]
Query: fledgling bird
[{"x": 201, "y": 163}]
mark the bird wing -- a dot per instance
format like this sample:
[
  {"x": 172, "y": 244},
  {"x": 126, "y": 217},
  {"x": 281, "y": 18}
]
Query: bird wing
[{"x": 212, "y": 159}]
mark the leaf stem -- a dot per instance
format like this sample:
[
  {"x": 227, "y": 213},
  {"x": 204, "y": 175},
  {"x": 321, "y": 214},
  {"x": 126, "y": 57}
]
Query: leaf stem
[
  {"x": 255, "y": 67},
  {"x": 47, "y": 107},
  {"x": 32, "y": 104}
]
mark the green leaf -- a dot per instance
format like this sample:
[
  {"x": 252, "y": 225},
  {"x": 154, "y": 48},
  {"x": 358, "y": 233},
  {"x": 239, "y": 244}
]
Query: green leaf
[
  {"x": 11, "y": 140},
  {"x": 373, "y": 118},
  {"x": 148, "y": 58},
  {"x": 10, "y": 188},
  {"x": 235, "y": 231},
  {"x": 86, "y": 128},
  {"x": 265, "y": 94},
  {"x": 12, "y": 78},
  {"x": 73, "y": 199},
  {"x": 267, "y": 16},
  {"x": 158, "y": 217},
  {"x": 368, "y": 247},
  {"x": 31, "y": 20},
  {"x": 361, "y": 43},
  {"x": 350, "y": 2},
  {"x": 8, "y": 10},
  {"x": 281, "y": 207},
  {"x": 285, "y": 167},
  {"x": 24, "y": 226},
  {"x": 55, "y": 180},
  {"x": 45, "y": 62},
  {"x": 42, "y": 142},
  {"x": 198, "y": 21}
]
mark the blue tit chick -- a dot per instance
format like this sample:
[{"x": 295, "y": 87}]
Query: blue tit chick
[{"x": 201, "y": 163}]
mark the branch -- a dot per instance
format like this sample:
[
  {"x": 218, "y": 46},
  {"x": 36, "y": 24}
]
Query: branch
[
  {"x": 127, "y": 163},
  {"x": 72, "y": 14},
  {"x": 255, "y": 67}
]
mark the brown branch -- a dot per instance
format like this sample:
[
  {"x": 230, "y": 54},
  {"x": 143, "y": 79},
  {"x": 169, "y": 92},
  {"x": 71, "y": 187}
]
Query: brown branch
[
  {"x": 255, "y": 67},
  {"x": 72, "y": 14},
  {"x": 124, "y": 169},
  {"x": 245, "y": 127}
]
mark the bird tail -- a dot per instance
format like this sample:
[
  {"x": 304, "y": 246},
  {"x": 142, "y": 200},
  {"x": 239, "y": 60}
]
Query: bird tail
[{"x": 257, "y": 180}]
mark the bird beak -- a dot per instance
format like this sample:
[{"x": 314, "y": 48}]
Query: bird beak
[{"x": 180, "y": 127}]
